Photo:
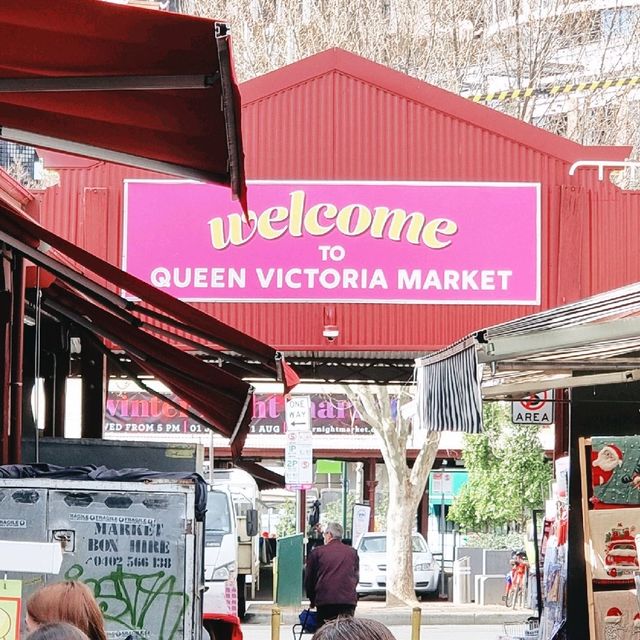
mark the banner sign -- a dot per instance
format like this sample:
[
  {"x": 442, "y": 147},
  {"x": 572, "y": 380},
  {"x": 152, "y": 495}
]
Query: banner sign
[
  {"x": 419, "y": 242},
  {"x": 133, "y": 411}
]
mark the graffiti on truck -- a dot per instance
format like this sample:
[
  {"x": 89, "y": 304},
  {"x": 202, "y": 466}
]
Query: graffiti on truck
[{"x": 131, "y": 599}]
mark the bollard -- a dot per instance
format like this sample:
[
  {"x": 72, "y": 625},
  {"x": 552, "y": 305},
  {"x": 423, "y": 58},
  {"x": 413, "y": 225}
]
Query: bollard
[
  {"x": 275, "y": 624},
  {"x": 462, "y": 580},
  {"x": 416, "y": 615}
]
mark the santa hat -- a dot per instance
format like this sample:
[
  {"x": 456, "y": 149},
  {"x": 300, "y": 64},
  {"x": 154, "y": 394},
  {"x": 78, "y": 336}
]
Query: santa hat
[
  {"x": 617, "y": 452},
  {"x": 613, "y": 615},
  {"x": 636, "y": 620}
]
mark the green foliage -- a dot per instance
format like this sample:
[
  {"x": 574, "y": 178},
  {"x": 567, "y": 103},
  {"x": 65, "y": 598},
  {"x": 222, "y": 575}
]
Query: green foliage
[
  {"x": 512, "y": 540},
  {"x": 287, "y": 519},
  {"x": 332, "y": 512},
  {"x": 508, "y": 474}
]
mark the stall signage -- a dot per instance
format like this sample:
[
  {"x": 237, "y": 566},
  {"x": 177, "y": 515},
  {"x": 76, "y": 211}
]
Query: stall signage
[
  {"x": 536, "y": 408},
  {"x": 131, "y": 411},
  {"x": 419, "y": 242},
  {"x": 442, "y": 483}
]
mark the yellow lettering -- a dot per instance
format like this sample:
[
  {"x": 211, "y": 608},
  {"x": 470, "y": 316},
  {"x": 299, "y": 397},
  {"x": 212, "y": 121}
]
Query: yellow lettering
[
  {"x": 311, "y": 222},
  {"x": 266, "y": 220},
  {"x": 437, "y": 226},
  {"x": 236, "y": 236},
  {"x": 345, "y": 220},
  {"x": 399, "y": 219},
  {"x": 297, "y": 213}
]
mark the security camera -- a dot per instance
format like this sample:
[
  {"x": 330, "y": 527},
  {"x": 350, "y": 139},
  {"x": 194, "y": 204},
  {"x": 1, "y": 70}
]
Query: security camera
[{"x": 330, "y": 332}]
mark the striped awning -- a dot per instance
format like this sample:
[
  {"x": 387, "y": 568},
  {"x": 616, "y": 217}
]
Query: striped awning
[{"x": 448, "y": 394}]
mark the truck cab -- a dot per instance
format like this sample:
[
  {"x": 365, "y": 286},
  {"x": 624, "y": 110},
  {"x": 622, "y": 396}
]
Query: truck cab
[
  {"x": 220, "y": 554},
  {"x": 244, "y": 494}
]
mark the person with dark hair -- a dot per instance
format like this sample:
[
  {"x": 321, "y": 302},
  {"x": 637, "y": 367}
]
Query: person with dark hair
[
  {"x": 331, "y": 576},
  {"x": 68, "y": 601},
  {"x": 350, "y": 628},
  {"x": 57, "y": 631}
]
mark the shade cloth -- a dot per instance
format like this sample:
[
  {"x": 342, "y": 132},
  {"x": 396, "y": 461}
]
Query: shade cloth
[{"x": 448, "y": 394}]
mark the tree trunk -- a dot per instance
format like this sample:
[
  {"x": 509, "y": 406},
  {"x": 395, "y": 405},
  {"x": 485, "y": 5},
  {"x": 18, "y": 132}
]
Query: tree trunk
[{"x": 400, "y": 518}]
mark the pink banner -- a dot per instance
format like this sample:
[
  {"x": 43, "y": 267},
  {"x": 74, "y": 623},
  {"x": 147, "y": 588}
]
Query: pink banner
[{"x": 439, "y": 243}]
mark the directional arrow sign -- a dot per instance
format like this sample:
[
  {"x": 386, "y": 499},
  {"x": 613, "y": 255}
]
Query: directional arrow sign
[{"x": 298, "y": 413}]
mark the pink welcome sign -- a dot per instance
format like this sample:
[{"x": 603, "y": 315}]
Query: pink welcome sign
[{"x": 429, "y": 242}]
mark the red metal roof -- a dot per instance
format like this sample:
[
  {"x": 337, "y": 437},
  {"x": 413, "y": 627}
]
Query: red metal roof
[{"x": 338, "y": 116}]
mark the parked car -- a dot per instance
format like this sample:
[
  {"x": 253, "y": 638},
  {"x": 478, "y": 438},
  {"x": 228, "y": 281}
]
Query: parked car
[{"x": 372, "y": 550}]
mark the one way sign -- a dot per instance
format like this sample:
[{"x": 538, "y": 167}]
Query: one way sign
[{"x": 297, "y": 413}]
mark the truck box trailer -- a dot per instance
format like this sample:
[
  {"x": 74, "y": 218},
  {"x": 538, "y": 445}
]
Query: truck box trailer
[{"x": 138, "y": 544}]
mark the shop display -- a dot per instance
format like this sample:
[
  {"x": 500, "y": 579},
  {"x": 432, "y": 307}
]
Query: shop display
[
  {"x": 555, "y": 547},
  {"x": 610, "y": 477},
  {"x": 614, "y": 557},
  {"x": 616, "y": 615},
  {"x": 615, "y": 470}
]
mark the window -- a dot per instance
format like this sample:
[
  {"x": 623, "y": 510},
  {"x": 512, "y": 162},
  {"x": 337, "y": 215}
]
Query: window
[
  {"x": 218, "y": 519},
  {"x": 449, "y": 526}
]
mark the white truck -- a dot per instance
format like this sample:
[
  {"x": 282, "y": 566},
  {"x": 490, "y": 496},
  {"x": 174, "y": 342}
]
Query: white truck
[{"x": 232, "y": 558}]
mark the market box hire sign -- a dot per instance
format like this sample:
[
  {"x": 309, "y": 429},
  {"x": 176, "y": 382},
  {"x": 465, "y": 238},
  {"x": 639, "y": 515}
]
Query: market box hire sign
[{"x": 419, "y": 242}]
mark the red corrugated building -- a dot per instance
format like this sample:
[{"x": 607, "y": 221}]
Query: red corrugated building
[{"x": 336, "y": 116}]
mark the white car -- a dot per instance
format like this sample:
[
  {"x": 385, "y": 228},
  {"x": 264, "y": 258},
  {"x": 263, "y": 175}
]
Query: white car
[{"x": 372, "y": 551}]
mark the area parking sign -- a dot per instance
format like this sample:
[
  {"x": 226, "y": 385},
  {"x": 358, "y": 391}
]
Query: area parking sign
[{"x": 536, "y": 408}]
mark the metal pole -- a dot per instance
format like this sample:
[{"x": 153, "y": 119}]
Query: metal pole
[
  {"x": 211, "y": 457},
  {"x": 537, "y": 562},
  {"x": 442, "y": 525},
  {"x": 416, "y": 615},
  {"x": 344, "y": 498},
  {"x": 275, "y": 624}
]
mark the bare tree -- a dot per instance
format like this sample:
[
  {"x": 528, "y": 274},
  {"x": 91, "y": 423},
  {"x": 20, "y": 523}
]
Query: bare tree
[
  {"x": 468, "y": 47},
  {"x": 406, "y": 484}
]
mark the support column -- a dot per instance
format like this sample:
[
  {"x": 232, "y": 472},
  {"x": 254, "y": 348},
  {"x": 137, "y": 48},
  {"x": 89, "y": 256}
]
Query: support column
[
  {"x": 302, "y": 512},
  {"x": 5, "y": 373},
  {"x": 55, "y": 390},
  {"x": 94, "y": 388},
  {"x": 561, "y": 435},
  {"x": 17, "y": 350},
  {"x": 371, "y": 484}
]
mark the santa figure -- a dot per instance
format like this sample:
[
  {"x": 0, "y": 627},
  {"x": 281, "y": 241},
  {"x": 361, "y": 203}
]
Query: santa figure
[
  {"x": 604, "y": 463},
  {"x": 614, "y": 615}
]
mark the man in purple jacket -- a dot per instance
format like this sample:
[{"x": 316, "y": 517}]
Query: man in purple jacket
[{"x": 331, "y": 576}]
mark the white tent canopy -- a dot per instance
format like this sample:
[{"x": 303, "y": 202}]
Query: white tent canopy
[{"x": 592, "y": 341}]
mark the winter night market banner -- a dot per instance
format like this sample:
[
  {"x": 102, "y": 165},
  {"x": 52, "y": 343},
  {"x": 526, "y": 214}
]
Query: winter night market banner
[
  {"x": 130, "y": 411},
  {"x": 430, "y": 242}
]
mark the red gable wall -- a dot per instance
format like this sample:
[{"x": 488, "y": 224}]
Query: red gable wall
[{"x": 338, "y": 116}]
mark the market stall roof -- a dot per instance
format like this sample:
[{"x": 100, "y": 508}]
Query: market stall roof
[
  {"x": 219, "y": 399},
  {"x": 593, "y": 341},
  {"x": 144, "y": 88}
]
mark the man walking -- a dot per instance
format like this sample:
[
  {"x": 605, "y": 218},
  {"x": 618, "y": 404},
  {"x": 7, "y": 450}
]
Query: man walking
[{"x": 331, "y": 576}]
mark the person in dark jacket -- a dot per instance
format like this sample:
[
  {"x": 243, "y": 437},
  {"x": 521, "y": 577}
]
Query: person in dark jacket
[{"x": 331, "y": 576}]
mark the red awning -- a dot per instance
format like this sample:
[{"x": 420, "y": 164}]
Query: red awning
[
  {"x": 33, "y": 241},
  {"x": 134, "y": 86},
  {"x": 223, "y": 400}
]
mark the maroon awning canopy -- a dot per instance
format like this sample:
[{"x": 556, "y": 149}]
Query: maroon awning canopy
[
  {"x": 129, "y": 85},
  {"x": 221, "y": 399},
  {"x": 34, "y": 241}
]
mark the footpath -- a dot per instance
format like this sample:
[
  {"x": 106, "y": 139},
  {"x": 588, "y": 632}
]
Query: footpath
[{"x": 433, "y": 613}]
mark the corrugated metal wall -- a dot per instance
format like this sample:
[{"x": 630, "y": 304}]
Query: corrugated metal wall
[{"x": 338, "y": 126}]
